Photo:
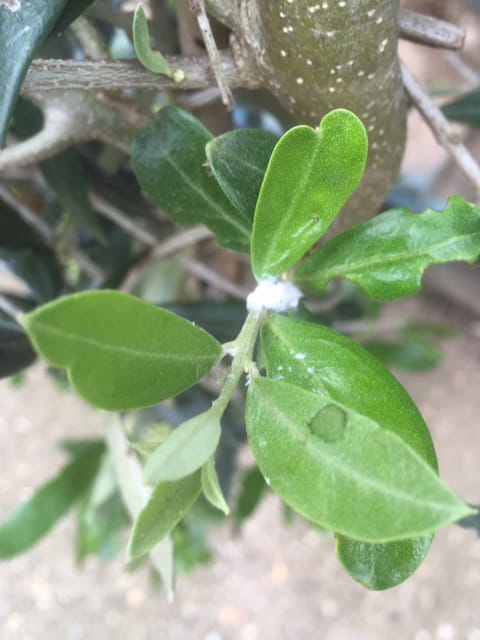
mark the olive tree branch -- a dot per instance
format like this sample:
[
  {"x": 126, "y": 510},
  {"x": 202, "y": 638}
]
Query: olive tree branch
[
  {"x": 429, "y": 31},
  {"x": 442, "y": 129}
]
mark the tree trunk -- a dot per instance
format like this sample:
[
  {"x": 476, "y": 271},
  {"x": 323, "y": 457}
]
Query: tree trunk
[{"x": 318, "y": 55}]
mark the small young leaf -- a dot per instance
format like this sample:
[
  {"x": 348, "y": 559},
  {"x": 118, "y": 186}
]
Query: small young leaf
[
  {"x": 169, "y": 161},
  {"x": 211, "y": 487},
  {"x": 367, "y": 484},
  {"x": 167, "y": 505},
  {"x": 238, "y": 160},
  {"x": 151, "y": 60},
  {"x": 32, "y": 520},
  {"x": 187, "y": 448},
  {"x": 121, "y": 353},
  {"x": 310, "y": 176},
  {"x": 387, "y": 255},
  {"x": 351, "y": 376}
]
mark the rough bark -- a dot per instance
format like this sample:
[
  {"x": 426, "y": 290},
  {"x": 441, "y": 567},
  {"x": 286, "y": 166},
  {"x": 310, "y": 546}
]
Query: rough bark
[{"x": 318, "y": 55}]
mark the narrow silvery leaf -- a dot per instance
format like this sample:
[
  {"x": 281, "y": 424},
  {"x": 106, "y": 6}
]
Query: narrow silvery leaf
[
  {"x": 169, "y": 161},
  {"x": 167, "y": 505},
  {"x": 121, "y": 352},
  {"x": 363, "y": 482},
  {"x": 187, "y": 448},
  {"x": 388, "y": 254},
  {"x": 310, "y": 176},
  {"x": 211, "y": 487}
]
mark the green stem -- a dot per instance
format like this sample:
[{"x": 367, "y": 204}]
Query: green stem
[{"x": 242, "y": 361}]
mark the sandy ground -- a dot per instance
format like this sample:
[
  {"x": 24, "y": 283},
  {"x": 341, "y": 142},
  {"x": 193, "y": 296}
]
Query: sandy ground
[{"x": 271, "y": 583}]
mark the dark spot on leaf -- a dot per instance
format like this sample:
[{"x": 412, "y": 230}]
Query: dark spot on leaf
[{"x": 329, "y": 423}]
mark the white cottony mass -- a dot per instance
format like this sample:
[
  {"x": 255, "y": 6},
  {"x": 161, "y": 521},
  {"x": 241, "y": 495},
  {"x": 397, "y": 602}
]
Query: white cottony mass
[{"x": 274, "y": 295}]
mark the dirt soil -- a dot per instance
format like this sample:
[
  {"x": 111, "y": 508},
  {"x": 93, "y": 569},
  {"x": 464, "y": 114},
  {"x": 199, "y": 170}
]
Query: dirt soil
[{"x": 270, "y": 583}]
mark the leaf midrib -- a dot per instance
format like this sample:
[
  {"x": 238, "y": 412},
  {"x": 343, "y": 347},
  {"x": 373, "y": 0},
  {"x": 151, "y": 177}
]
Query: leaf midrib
[
  {"x": 134, "y": 353},
  {"x": 234, "y": 220},
  {"x": 348, "y": 473},
  {"x": 271, "y": 247},
  {"x": 392, "y": 259}
]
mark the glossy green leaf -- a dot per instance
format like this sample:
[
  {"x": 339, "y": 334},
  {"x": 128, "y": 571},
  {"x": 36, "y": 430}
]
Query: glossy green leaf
[
  {"x": 151, "y": 60},
  {"x": 32, "y": 520},
  {"x": 167, "y": 505},
  {"x": 211, "y": 487},
  {"x": 121, "y": 353},
  {"x": 365, "y": 483},
  {"x": 310, "y": 176},
  {"x": 238, "y": 160},
  {"x": 382, "y": 566},
  {"x": 24, "y": 25},
  {"x": 351, "y": 376},
  {"x": 387, "y": 255},
  {"x": 169, "y": 161},
  {"x": 465, "y": 109},
  {"x": 187, "y": 448}
]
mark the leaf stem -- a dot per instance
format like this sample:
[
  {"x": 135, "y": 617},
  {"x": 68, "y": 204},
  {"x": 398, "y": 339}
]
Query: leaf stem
[{"x": 242, "y": 362}]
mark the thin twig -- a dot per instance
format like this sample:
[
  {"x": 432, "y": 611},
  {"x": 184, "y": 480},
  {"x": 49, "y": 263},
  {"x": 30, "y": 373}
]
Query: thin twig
[
  {"x": 177, "y": 242},
  {"x": 429, "y": 31},
  {"x": 202, "y": 272},
  {"x": 442, "y": 129},
  {"x": 48, "y": 75},
  {"x": 472, "y": 77},
  {"x": 112, "y": 213},
  {"x": 198, "y": 9},
  {"x": 87, "y": 265}
]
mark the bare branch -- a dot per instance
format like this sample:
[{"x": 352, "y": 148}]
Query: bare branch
[
  {"x": 204, "y": 273},
  {"x": 70, "y": 117},
  {"x": 176, "y": 242},
  {"x": 198, "y": 9},
  {"x": 48, "y": 75},
  {"x": 442, "y": 129},
  {"x": 430, "y": 31}
]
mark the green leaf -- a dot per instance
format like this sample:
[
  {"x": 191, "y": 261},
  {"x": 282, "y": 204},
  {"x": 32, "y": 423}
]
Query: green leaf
[
  {"x": 387, "y": 255},
  {"x": 382, "y": 566},
  {"x": 120, "y": 352},
  {"x": 34, "y": 519},
  {"x": 466, "y": 109},
  {"x": 310, "y": 176},
  {"x": 187, "y": 448},
  {"x": 151, "y": 60},
  {"x": 339, "y": 482},
  {"x": 238, "y": 160},
  {"x": 167, "y": 505},
  {"x": 349, "y": 375},
  {"x": 24, "y": 25},
  {"x": 170, "y": 163},
  {"x": 211, "y": 487}
]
